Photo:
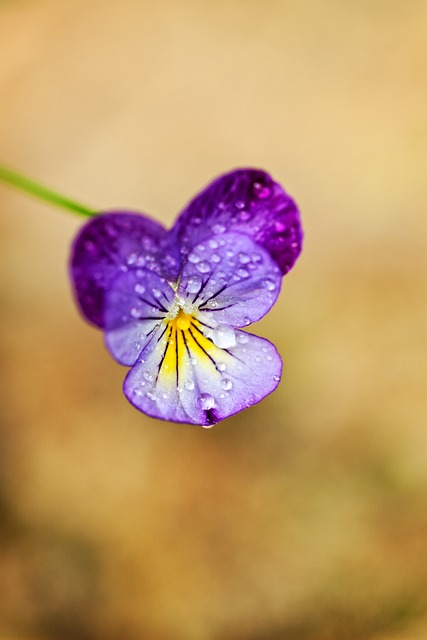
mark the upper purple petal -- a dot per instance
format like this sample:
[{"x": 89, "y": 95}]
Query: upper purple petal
[
  {"x": 248, "y": 201},
  {"x": 110, "y": 244}
]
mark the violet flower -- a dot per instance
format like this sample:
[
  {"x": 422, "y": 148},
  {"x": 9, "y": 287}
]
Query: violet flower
[{"x": 172, "y": 303}]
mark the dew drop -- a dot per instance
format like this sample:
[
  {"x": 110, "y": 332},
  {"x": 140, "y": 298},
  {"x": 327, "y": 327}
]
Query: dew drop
[
  {"x": 216, "y": 258},
  {"x": 226, "y": 384},
  {"x": 193, "y": 258},
  {"x": 213, "y": 243},
  {"x": 239, "y": 204},
  {"x": 242, "y": 273},
  {"x": 224, "y": 336},
  {"x": 276, "y": 378},
  {"x": 242, "y": 338},
  {"x": 189, "y": 385},
  {"x": 139, "y": 289},
  {"x": 204, "y": 266},
  {"x": 194, "y": 283},
  {"x": 269, "y": 284},
  {"x": 244, "y": 258},
  {"x": 279, "y": 226},
  {"x": 157, "y": 293},
  {"x": 246, "y": 321},
  {"x": 220, "y": 366},
  {"x": 261, "y": 191},
  {"x": 206, "y": 401},
  {"x": 244, "y": 215},
  {"x": 218, "y": 228},
  {"x": 147, "y": 376}
]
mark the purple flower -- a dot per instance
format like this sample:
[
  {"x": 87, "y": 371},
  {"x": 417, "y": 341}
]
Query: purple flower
[{"x": 172, "y": 303}]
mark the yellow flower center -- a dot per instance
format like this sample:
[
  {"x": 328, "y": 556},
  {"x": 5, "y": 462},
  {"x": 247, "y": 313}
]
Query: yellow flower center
[{"x": 182, "y": 320}]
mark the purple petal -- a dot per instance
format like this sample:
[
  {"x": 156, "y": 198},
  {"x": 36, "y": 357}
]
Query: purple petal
[
  {"x": 113, "y": 243},
  {"x": 248, "y": 201},
  {"x": 136, "y": 304},
  {"x": 183, "y": 376},
  {"x": 230, "y": 279}
]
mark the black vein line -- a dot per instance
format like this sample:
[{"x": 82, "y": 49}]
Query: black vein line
[
  {"x": 203, "y": 323},
  {"x": 204, "y": 283},
  {"x": 165, "y": 351},
  {"x": 217, "y": 308},
  {"x": 186, "y": 345},
  {"x": 158, "y": 306},
  {"x": 202, "y": 348},
  {"x": 214, "y": 295},
  {"x": 150, "y": 318},
  {"x": 177, "y": 332}
]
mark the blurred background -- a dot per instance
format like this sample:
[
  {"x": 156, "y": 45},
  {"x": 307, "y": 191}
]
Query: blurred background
[{"x": 305, "y": 517}]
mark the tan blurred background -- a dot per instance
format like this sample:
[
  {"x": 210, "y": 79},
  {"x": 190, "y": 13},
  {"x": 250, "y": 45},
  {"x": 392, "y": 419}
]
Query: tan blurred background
[{"x": 304, "y": 518}]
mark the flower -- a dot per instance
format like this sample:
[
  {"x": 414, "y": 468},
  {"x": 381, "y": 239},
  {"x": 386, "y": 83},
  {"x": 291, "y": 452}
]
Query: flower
[{"x": 172, "y": 303}]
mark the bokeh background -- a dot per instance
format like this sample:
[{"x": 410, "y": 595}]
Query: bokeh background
[{"x": 305, "y": 517}]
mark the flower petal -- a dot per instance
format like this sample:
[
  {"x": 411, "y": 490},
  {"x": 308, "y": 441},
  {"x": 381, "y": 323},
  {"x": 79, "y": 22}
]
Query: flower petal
[
  {"x": 136, "y": 303},
  {"x": 112, "y": 243},
  {"x": 249, "y": 201},
  {"x": 230, "y": 279},
  {"x": 183, "y": 376}
]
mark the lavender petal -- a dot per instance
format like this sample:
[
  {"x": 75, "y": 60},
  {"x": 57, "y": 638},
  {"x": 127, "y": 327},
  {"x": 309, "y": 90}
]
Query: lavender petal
[{"x": 230, "y": 279}]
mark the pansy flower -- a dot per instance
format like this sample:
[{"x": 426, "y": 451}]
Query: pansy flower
[{"x": 174, "y": 304}]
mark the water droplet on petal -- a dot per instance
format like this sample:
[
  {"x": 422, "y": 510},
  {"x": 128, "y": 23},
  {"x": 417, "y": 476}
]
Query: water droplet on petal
[
  {"x": 194, "y": 283},
  {"x": 261, "y": 191},
  {"x": 224, "y": 336},
  {"x": 242, "y": 273},
  {"x": 279, "y": 226},
  {"x": 242, "y": 338},
  {"x": 247, "y": 321},
  {"x": 157, "y": 293},
  {"x": 204, "y": 266},
  {"x": 212, "y": 304},
  {"x": 213, "y": 243},
  {"x": 226, "y": 384},
  {"x": 147, "y": 376},
  {"x": 206, "y": 401},
  {"x": 216, "y": 258},
  {"x": 139, "y": 288},
  {"x": 276, "y": 378},
  {"x": 220, "y": 366},
  {"x": 218, "y": 228},
  {"x": 189, "y": 385},
  {"x": 193, "y": 258},
  {"x": 244, "y": 258},
  {"x": 269, "y": 284}
]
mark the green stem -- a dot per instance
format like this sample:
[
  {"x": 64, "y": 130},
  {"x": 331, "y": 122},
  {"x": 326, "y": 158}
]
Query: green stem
[{"x": 43, "y": 193}]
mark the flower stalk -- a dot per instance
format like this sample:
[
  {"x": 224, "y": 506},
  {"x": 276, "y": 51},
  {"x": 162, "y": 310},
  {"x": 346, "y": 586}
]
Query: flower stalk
[{"x": 43, "y": 193}]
